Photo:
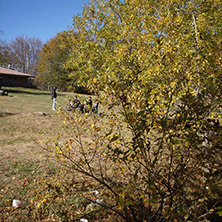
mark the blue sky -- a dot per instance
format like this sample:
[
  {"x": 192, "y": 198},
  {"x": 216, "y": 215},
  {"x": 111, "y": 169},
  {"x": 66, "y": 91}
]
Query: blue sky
[{"x": 37, "y": 18}]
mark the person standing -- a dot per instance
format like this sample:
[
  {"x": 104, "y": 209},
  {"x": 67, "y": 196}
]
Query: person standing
[
  {"x": 89, "y": 104},
  {"x": 54, "y": 95},
  {"x": 95, "y": 106}
]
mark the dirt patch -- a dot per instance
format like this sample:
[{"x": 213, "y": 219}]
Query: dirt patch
[
  {"x": 18, "y": 139},
  {"x": 20, "y": 132}
]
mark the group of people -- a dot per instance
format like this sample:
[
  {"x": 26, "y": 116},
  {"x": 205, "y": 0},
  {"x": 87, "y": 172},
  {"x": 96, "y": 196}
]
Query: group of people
[
  {"x": 87, "y": 106},
  {"x": 76, "y": 104}
]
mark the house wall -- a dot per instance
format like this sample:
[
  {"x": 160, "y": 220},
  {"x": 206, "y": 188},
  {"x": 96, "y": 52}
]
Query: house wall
[{"x": 15, "y": 81}]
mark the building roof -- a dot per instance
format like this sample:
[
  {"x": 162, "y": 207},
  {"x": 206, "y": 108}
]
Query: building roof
[{"x": 13, "y": 72}]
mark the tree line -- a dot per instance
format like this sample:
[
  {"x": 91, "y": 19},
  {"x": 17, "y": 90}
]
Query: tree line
[
  {"x": 21, "y": 53},
  {"x": 45, "y": 61}
]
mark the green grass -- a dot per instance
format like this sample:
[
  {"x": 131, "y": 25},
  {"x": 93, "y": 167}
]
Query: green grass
[
  {"x": 20, "y": 115},
  {"x": 25, "y": 171},
  {"x": 29, "y": 100}
]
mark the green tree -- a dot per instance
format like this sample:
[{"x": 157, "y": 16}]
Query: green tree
[
  {"x": 51, "y": 63},
  {"x": 157, "y": 66}
]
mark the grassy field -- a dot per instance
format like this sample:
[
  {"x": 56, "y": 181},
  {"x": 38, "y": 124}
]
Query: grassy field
[{"x": 26, "y": 117}]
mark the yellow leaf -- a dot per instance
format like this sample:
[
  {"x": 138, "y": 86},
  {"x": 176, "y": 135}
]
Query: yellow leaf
[{"x": 187, "y": 144}]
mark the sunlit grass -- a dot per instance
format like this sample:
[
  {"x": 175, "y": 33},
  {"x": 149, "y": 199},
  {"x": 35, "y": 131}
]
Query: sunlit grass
[{"x": 25, "y": 171}]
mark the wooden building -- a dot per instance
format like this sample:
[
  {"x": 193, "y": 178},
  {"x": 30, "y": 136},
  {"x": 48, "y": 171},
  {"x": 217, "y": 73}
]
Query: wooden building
[{"x": 12, "y": 78}]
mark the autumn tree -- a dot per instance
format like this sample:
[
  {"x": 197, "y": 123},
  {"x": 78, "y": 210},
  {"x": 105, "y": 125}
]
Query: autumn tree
[
  {"x": 52, "y": 60},
  {"x": 24, "y": 54},
  {"x": 157, "y": 68}
]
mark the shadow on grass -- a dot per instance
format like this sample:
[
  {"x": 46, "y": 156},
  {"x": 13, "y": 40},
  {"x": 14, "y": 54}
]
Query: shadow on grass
[
  {"x": 27, "y": 92},
  {"x": 30, "y": 91},
  {"x": 4, "y": 114}
]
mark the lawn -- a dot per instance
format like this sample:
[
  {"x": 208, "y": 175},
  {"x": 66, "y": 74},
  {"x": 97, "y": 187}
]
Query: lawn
[
  {"x": 26, "y": 117},
  {"x": 24, "y": 100},
  {"x": 27, "y": 172}
]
